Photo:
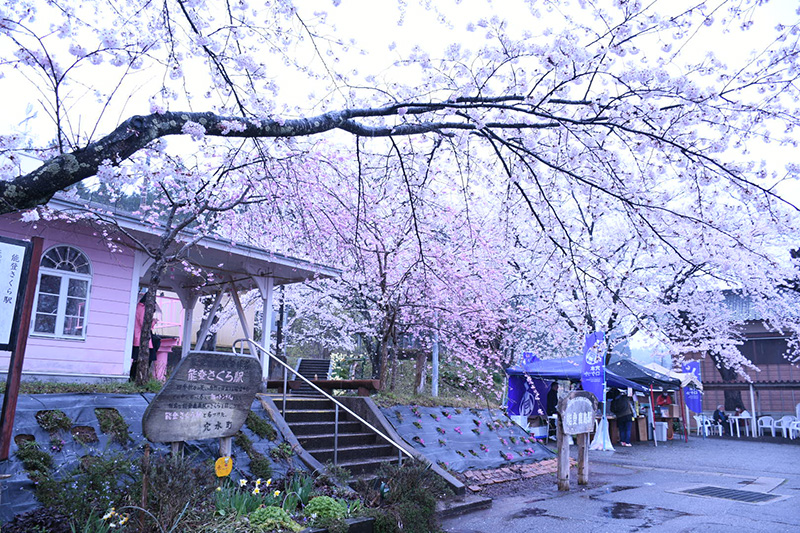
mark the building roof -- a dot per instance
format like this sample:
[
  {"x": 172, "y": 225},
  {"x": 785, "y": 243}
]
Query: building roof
[{"x": 226, "y": 260}]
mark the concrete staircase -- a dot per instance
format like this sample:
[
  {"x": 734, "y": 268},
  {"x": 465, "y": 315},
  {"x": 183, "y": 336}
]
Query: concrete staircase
[
  {"x": 311, "y": 369},
  {"x": 312, "y": 420}
]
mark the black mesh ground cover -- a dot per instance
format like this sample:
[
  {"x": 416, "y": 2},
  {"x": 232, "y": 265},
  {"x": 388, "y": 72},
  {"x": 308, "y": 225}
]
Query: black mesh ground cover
[
  {"x": 464, "y": 439},
  {"x": 17, "y": 495}
]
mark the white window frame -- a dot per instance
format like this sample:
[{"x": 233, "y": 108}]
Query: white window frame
[{"x": 61, "y": 311}]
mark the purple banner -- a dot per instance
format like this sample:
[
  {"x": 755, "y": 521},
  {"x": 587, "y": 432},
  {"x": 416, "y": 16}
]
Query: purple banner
[
  {"x": 527, "y": 397},
  {"x": 693, "y": 397},
  {"x": 593, "y": 370}
]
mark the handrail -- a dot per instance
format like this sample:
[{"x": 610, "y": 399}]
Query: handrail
[{"x": 251, "y": 342}]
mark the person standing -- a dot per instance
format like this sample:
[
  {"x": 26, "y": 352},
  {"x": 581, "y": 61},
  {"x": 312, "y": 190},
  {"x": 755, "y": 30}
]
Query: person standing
[
  {"x": 552, "y": 399},
  {"x": 623, "y": 409}
]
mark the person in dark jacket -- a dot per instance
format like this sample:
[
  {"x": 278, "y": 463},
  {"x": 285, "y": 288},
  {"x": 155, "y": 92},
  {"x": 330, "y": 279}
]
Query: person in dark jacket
[
  {"x": 552, "y": 399},
  {"x": 721, "y": 418},
  {"x": 623, "y": 409}
]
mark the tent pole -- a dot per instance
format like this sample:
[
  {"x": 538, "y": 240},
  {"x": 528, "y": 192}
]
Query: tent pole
[
  {"x": 653, "y": 414},
  {"x": 753, "y": 426},
  {"x": 685, "y": 417},
  {"x": 605, "y": 416}
]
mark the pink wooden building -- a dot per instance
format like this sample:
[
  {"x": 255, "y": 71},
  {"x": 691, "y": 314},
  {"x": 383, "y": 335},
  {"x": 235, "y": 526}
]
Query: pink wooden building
[{"x": 89, "y": 280}]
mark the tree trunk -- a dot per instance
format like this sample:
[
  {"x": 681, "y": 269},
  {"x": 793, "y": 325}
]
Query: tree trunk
[
  {"x": 733, "y": 398},
  {"x": 383, "y": 362},
  {"x": 143, "y": 364},
  {"x": 420, "y": 374}
]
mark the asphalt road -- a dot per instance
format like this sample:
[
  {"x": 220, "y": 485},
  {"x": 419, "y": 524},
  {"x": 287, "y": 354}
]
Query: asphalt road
[{"x": 636, "y": 489}]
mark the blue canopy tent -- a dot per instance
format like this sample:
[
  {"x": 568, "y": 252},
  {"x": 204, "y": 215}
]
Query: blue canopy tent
[
  {"x": 569, "y": 369},
  {"x": 529, "y": 382}
]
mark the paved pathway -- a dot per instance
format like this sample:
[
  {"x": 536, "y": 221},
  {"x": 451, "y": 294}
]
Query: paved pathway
[{"x": 635, "y": 489}]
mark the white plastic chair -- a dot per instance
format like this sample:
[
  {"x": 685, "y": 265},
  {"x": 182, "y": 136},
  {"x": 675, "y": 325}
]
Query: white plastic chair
[
  {"x": 766, "y": 422},
  {"x": 709, "y": 427},
  {"x": 699, "y": 420},
  {"x": 783, "y": 424},
  {"x": 794, "y": 429}
]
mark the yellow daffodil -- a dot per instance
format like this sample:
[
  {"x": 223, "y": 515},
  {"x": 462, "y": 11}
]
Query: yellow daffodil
[
  {"x": 242, "y": 482},
  {"x": 109, "y": 514},
  {"x": 269, "y": 482},
  {"x": 258, "y": 482},
  {"x": 219, "y": 489},
  {"x": 124, "y": 519},
  {"x": 276, "y": 493},
  {"x": 256, "y": 490}
]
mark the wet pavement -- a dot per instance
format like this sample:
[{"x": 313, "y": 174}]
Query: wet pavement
[{"x": 639, "y": 489}]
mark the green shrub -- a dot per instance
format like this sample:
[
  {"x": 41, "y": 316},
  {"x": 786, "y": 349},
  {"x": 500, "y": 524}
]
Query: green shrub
[
  {"x": 175, "y": 483},
  {"x": 260, "y": 427},
  {"x": 283, "y": 450},
  {"x": 260, "y": 466},
  {"x": 99, "y": 483},
  {"x": 112, "y": 423},
  {"x": 408, "y": 496},
  {"x": 271, "y": 518},
  {"x": 35, "y": 461},
  {"x": 53, "y": 420},
  {"x": 325, "y": 508}
]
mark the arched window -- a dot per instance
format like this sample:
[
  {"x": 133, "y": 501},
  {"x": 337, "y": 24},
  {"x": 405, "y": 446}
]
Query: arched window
[{"x": 62, "y": 296}]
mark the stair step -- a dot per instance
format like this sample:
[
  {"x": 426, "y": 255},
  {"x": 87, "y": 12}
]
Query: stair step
[
  {"x": 367, "y": 466},
  {"x": 462, "y": 505},
  {"x": 293, "y": 403},
  {"x": 312, "y": 415},
  {"x": 316, "y": 442},
  {"x": 317, "y": 428},
  {"x": 356, "y": 453}
]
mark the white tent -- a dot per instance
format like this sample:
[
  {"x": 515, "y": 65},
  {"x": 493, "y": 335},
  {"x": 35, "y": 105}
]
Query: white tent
[{"x": 687, "y": 379}]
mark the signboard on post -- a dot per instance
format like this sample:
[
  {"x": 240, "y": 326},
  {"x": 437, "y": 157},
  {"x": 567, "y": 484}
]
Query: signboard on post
[
  {"x": 578, "y": 415},
  {"x": 19, "y": 270},
  {"x": 14, "y": 264},
  {"x": 208, "y": 396},
  {"x": 575, "y": 417},
  {"x": 593, "y": 368},
  {"x": 694, "y": 398}
]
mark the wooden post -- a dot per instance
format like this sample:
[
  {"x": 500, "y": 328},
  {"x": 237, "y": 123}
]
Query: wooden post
[
  {"x": 18, "y": 354},
  {"x": 177, "y": 450},
  {"x": 145, "y": 477},
  {"x": 562, "y": 441},
  {"x": 576, "y": 414},
  {"x": 583, "y": 458},
  {"x": 225, "y": 446}
]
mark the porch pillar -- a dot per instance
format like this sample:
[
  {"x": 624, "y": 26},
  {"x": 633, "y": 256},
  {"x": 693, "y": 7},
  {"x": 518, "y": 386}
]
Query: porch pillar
[
  {"x": 188, "y": 301},
  {"x": 266, "y": 286}
]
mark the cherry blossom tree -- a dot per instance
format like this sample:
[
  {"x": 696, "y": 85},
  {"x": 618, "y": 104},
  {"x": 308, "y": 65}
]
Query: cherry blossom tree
[
  {"x": 553, "y": 114},
  {"x": 413, "y": 262}
]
